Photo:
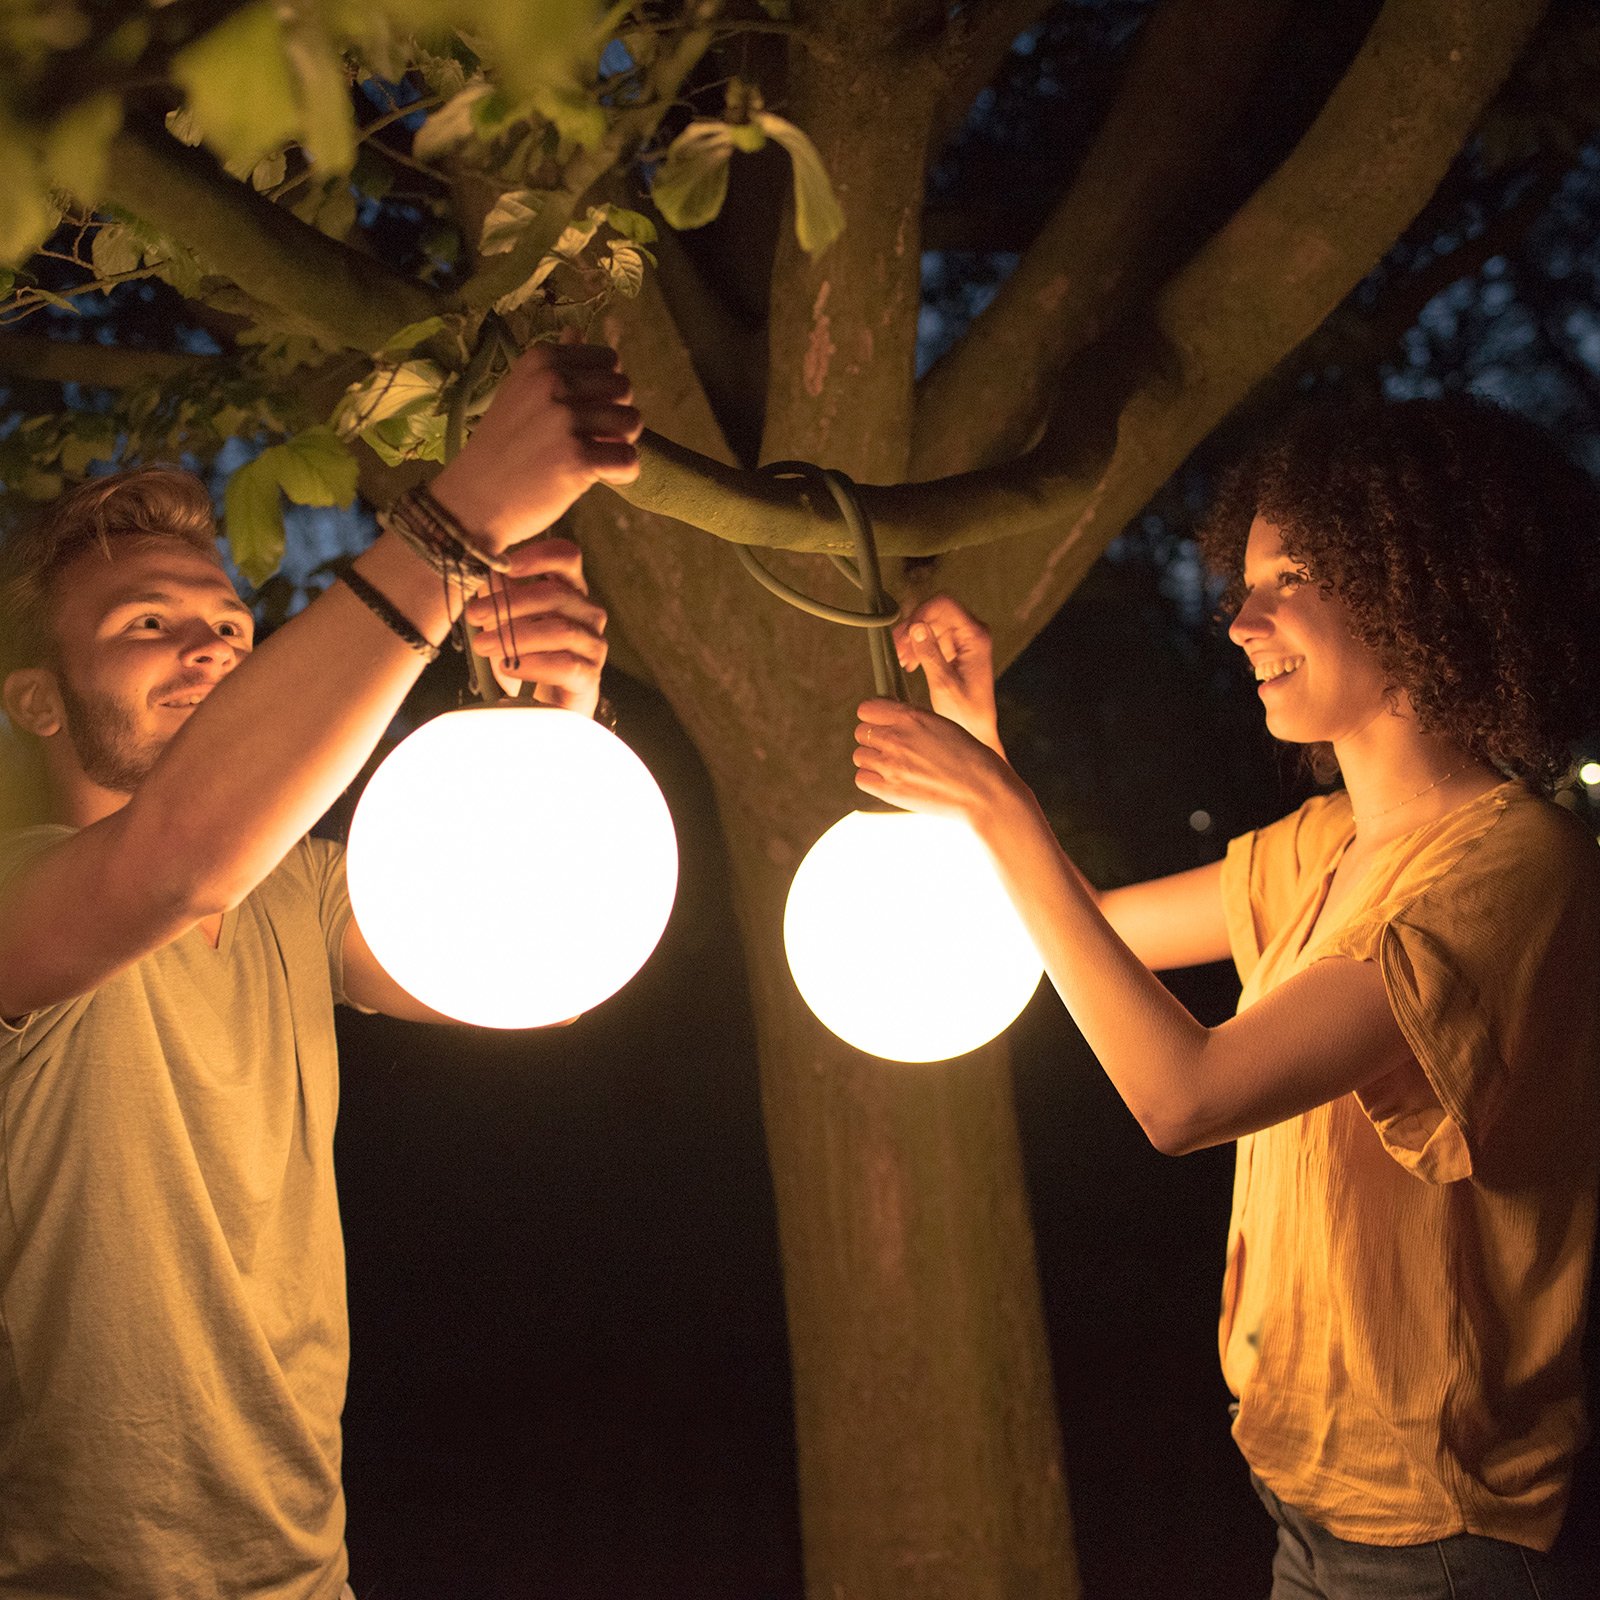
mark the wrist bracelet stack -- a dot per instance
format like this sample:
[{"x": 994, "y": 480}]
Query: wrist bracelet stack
[
  {"x": 431, "y": 532},
  {"x": 389, "y": 614}
]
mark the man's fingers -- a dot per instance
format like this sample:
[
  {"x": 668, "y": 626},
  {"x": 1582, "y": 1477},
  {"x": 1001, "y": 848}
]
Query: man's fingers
[
  {"x": 599, "y": 419},
  {"x": 530, "y": 600},
  {"x": 578, "y": 357},
  {"x": 611, "y": 461},
  {"x": 546, "y": 557}
]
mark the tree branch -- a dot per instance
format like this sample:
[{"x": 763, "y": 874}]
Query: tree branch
[
  {"x": 348, "y": 300},
  {"x": 912, "y": 519},
  {"x": 99, "y": 366},
  {"x": 1104, "y": 243},
  {"x": 977, "y": 41},
  {"x": 1265, "y": 282},
  {"x": 1360, "y": 175}
]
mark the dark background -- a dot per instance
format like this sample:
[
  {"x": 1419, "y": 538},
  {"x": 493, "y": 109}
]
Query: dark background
[{"x": 569, "y": 1371}]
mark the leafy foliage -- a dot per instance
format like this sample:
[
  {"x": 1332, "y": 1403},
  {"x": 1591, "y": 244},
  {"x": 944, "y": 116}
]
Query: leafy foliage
[{"x": 483, "y": 152}]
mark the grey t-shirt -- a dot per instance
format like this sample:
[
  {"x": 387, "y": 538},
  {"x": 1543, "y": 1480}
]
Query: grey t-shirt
[{"x": 173, "y": 1340}]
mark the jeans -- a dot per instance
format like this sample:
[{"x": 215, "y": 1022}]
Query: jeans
[{"x": 1311, "y": 1564}]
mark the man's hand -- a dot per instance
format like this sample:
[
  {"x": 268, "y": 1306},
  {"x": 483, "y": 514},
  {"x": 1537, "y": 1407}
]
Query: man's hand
[
  {"x": 952, "y": 648},
  {"x": 561, "y": 420},
  {"x": 538, "y": 625}
]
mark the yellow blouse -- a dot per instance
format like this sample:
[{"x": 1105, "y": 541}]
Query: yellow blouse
[{"x": 1407, "y": 1266}]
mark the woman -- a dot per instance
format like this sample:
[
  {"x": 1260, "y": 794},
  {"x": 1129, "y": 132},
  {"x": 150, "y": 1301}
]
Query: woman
[{"x": 1413, "y": 1074}]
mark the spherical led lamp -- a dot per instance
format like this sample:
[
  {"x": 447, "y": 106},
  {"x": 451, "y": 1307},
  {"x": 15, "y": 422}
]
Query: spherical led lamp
[
  {"x": 512, "y": 865},
  {"x": 902, "y": 940}
]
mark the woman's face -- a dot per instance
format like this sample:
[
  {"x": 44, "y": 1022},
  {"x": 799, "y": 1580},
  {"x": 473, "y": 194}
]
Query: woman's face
[{"x": 1316, "y": 680}]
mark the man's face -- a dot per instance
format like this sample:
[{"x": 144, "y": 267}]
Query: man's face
[{"x": 143, "y": 638}]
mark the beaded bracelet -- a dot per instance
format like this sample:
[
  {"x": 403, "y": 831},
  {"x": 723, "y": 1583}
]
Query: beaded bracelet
[{"x": 389, "y": 614}]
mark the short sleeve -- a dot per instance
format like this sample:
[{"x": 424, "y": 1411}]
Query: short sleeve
[
  {"x": 1263, "y": 873},
  {"x": 1491, "y": 963},
  {"x": 325, "y": 860},
  {"x": 17, "y": 849}
]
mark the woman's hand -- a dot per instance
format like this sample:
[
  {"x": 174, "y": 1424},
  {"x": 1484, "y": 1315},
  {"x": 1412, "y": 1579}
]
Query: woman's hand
[
  {"x": 538, "y": 625},
  {"x": 921, "y": 761},
  {"x": 952, "y": 648}
]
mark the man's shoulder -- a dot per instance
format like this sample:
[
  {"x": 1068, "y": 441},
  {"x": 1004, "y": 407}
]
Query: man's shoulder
[{"x": 19, "y": 846}]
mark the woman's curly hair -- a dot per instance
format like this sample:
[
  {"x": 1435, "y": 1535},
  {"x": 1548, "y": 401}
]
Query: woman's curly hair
[{"x": 1466, "y": 545}]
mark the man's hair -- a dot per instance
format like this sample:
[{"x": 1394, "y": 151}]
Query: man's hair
[
  {"x": 1466, "y": 545},
  {"x": 146, "y": 505}
]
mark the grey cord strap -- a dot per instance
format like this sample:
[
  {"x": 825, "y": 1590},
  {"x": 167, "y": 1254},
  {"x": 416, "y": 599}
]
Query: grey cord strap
[{"x": 882, "y": 613}]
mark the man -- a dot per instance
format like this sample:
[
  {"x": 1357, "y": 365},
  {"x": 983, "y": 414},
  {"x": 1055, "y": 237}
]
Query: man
[{"x": 172, "y": 1323}]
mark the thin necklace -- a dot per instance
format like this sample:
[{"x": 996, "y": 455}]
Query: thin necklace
[{"x": 1373, "y": 816}]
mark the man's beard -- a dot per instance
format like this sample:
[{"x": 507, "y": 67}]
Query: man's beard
[{"x": 106, "y": 738}]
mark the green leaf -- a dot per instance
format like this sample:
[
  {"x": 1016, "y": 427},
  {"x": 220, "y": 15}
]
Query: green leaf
[
  {"x": 7, "y": 279},
  {"x": 410, "y": 336},
  {"x": 532, "y": 46},
  {"x": 388, "y": 392},
  {"x": 252, "y": 510},
  {"x": 576, "y": 115},
  {"x": 115, "y": 250},
  {"x": 269, "y": 172},
  {"x": 747, "y": 136},
  {"x": 81, "y": 449},
  {"x": 691, "y": 183},
  {"x": 451, "y": 124},
  {"x": 508, "y": 218},
  {"x": 418, "y": 437},
  {"x": 328, "y": 128},
  {"x": 36, "y": 485},
  {"x": 625, "y": 267},
  {"x": 818, "y": 221},
  {"x": 240, "y": 91},
  {"x": 173, "y": 264},
  {"x": 29, "y": 214},
  {"x": 632, "y": 225},
  {"x": 315, "y": 468},
  {"x": 75, "y": 148}
]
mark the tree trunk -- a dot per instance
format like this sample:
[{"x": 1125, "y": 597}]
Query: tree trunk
[{"x": 928, "y": 1446}]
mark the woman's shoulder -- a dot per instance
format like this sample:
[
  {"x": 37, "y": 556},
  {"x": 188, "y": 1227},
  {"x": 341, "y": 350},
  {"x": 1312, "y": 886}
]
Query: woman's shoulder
[{"x": 1541, "y": 841}]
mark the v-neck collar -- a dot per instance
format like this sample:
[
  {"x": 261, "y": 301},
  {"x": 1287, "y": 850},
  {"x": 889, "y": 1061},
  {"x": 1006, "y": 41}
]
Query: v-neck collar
[{"x": 197, "y": 934}]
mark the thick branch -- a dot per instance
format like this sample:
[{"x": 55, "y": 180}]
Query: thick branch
[
  {"x": 349, "y": 300},
  {"x": 99, "y": 366},
  {"x": 912, "y": 519},
  {"x": 1265, "y": 282},
  {"x": 975, "y": 46},
  {"x": 1262, "y": 285},
  {"x": 1108, "y": 239}
]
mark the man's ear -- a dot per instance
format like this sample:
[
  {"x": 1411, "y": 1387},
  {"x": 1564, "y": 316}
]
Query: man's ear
[{"x": 32, "y": 700}]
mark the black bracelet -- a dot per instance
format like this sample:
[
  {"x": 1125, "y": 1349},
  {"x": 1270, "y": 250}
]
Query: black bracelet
[{"x": 389, "y": 614}]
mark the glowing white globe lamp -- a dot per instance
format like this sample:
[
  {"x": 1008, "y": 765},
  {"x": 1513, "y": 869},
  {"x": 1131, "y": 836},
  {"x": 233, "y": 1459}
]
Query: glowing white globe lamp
[
  {"x": 941, "y": 962},
  {"x": 511, "y": 865}
]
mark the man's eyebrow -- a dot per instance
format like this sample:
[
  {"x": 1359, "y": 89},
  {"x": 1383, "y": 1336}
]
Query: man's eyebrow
[{"x": 162, "y": 597}]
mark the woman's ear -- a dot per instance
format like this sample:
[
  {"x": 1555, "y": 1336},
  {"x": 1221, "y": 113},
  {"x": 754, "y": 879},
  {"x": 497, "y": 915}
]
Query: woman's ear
[{"x": 32, "y": 701}]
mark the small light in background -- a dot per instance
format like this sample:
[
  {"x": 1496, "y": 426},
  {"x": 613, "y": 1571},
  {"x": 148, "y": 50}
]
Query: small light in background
[
  {"x": 1200, "y": 821},
  {"x": 1589, "y": 774}
]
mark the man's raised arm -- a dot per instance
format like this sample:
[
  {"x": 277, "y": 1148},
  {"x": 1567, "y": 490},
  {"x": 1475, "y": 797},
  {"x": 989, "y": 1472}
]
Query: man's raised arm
[{"x": 285, "y": 730}]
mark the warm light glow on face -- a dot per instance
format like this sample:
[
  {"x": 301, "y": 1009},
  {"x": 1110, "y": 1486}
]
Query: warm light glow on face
[
  {"x": 512, "y": 866},
  {"x": 902, "y": 941}
]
